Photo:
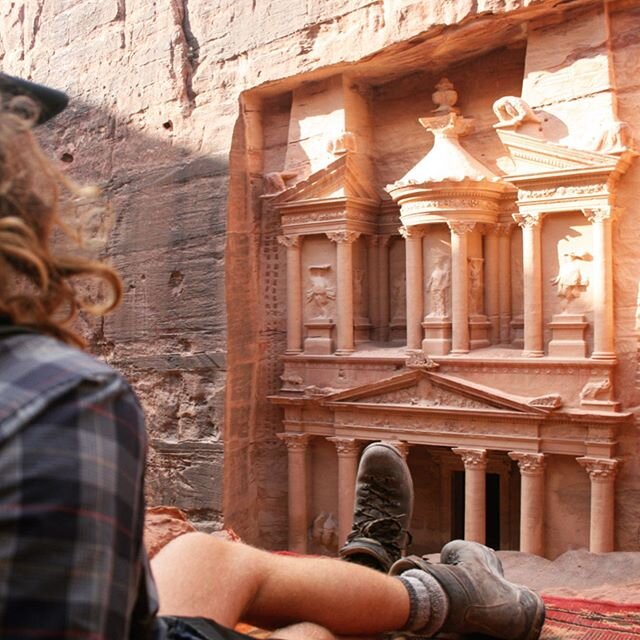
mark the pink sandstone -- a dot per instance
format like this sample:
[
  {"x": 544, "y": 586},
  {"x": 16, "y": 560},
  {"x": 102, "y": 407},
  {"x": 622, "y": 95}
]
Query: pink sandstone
[{"x": 254, "y": 154}]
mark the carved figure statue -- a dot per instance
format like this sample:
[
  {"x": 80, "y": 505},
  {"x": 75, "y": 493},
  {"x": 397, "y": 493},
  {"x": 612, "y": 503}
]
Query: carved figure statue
[
  {"x": 571, "y": 280},
  {"x": 324, "y": 531},
  {"x": 399, "y": 297},
  {"x": 438, "y": 286},
  {"x": 476, "y": 286},
  {"x": 512, "y": 111},
  {"x": 596, "y": 390},
  {"x": 320, "y": 294},
  {"x": 358, "y": 291},
  {"x": 276, "y": 181}
]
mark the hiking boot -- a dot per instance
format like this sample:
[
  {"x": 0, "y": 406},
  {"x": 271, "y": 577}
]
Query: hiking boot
[
  {"x": 480, "y": 599},
  {"x": 382, "y": 510}
]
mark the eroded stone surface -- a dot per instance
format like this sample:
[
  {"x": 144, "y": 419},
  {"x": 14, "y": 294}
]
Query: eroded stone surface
[{"x": 335, "y": 90}]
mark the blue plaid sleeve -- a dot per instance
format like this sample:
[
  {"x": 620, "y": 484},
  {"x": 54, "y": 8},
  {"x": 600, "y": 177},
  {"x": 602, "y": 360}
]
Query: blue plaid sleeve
[{"x": 72, "y": 511}]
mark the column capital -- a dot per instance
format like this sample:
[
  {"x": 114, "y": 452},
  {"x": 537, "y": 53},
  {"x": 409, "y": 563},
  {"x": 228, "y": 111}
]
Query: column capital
[
  {"x": 289, "y": 241},
  {"x": 503, "y": 228},
  {"x": 601, "y": 214},
  {"x": 339, "y": 237},
  {"x": 345, "y": 446},
  {"x": 472, "y": 458},
  {"x": 411, "y": 232},
  {"x": 527, "y": 220},
  {"x": 531, "y": 464},
  {"x": 600, "y": 468},
  {"x": 385, "y": 240},
  {"x": 460, "y": 227},
  {"x": 295, "y": 441},
  {"x": 402, "y": 446}
]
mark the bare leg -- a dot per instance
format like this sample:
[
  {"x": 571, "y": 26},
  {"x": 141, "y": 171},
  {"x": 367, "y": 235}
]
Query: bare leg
[{"x": 199, "y": 575}]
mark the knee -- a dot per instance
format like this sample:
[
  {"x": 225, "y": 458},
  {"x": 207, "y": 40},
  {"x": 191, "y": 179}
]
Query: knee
[
  {"x": 190, "y": 548},
  {"x": 303, "y": 631}
]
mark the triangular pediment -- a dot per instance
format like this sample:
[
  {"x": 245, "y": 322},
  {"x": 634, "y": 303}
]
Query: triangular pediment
[
  {"x": 340, "y": 179},
  {"x": 534, "y": 155},
  {"x": 423, "y": 389}
]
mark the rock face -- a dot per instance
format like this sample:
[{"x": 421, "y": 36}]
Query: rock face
[{"x": 181, "y": 108}]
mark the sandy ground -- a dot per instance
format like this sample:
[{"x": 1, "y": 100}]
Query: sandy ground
[{"x": 578, "y": 573}]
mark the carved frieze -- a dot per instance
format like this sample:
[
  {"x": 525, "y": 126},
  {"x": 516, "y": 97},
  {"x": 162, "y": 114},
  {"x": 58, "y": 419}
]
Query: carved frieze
[{"x": 563, "y": 191}]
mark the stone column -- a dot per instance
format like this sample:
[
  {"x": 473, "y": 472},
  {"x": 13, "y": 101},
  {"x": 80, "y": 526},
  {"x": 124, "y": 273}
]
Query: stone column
[
  {"x": 402, "y": 446},
  {"x": 383, "y": 287},
  {"x": 492, "y": 284},
  {"x": 373, "y": 265},
  {"x": 531, "y": 467},
  {"x": 415, "y": 296},
  {"x": 348, "y": 449},
  {"x": 602, "y": 473},
  {"x": 294, "y": 293},
  {"x": 532, "y": 279},
  {"x": 344, "y": 296},
  {"x": 460, "y": 286},
  {"x": 503, "y": 231},
  {"x": 475, "y": 489},
  {"x": 297, "y": 444},
  {"x": 602, "y": 282}
]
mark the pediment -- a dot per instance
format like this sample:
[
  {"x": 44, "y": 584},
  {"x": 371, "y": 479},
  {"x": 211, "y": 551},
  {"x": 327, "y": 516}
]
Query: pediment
[
  {"x": 533, "y": 155},
  {"x": 340, "y": 179},
  {"x": 423, "y": 389}
]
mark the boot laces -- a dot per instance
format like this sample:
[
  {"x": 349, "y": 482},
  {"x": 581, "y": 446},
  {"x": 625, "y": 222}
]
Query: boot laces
[{"x": 373, "y": 519}]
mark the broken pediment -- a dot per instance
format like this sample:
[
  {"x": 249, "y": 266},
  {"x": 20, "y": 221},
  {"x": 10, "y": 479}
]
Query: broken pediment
[
  {"x": 421, "y": 389},
  {"x": 342, "y": 178},
  {"x": 537, "y": 156},
  {"x": 336, "y": 198}
]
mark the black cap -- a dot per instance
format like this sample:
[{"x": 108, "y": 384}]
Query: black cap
[{"x": 50, "y": 101}]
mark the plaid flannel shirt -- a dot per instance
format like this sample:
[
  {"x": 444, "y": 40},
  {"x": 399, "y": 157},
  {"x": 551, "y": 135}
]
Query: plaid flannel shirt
[{"x": 72, "y": 450}]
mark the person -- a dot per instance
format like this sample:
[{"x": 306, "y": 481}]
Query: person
[{"x": 72, "y": 451}]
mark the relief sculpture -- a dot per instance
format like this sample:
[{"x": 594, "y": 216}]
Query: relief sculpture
[
  {"x": 438, "y": 286},
  {"x": 476, "y": 286},
  {"x": 571, "y": 280},
  {"x": 399, "y": 297},
  {"x": 321, "y": 294}
]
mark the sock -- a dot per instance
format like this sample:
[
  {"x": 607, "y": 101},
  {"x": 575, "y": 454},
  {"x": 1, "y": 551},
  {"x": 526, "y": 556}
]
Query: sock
[{"x": 428, "y": 602}]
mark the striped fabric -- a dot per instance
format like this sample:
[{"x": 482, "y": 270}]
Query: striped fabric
[{"x": 72, "y": 449}]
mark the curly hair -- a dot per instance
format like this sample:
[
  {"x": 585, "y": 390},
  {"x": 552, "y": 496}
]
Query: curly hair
[{"x": 38, "y": 288}]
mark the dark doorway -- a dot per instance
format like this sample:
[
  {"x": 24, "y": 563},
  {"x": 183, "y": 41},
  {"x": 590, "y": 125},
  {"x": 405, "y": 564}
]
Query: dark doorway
[{"x": 492, "y": 508}]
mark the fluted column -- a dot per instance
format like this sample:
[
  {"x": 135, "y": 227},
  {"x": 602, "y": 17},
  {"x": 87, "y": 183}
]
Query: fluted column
[
  {"x": 602, "y": 282},
  {"x": 348, "y": 449},
  {"x": 531, "y": 467},
  {"x": 460, "y": 286},
  {"x": 532, "y": 280},
  {"x": 503, "y": 231},
  {"x": 475, "y": 489},
  {"x": 297, "y": 445},
  {"x": 294, "y": 293},
  {"x": 344, "y": 299},
  {"x": 415, "y": 296},
  {"x": 383, "y": 287},
  {"x": 602, "y": 473},
  {"x": 492, "y": 285}
]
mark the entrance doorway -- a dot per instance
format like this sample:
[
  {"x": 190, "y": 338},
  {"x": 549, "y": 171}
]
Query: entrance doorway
[{"x": 492, "y": 508}]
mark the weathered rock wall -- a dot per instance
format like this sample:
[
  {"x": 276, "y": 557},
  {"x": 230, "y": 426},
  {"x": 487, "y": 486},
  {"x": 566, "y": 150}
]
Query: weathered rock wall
[{"x": 156, "y": 119}]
